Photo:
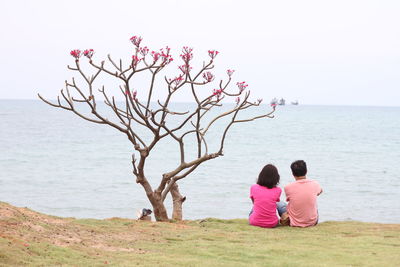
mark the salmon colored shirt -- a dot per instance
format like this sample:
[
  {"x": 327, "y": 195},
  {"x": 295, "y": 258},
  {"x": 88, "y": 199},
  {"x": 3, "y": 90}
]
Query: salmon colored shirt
[
  {"x": 302, "y": 197},
  {"x": 264, "y": 206}
]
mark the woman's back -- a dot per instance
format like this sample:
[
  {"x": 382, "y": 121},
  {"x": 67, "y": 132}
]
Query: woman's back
[{"x": 264, "y": 207}]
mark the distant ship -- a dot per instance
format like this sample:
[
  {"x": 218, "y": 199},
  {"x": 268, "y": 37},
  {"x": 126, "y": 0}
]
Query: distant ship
[
  {"x": 274, "y": 102},
  {"x": 282, "y": 102}
]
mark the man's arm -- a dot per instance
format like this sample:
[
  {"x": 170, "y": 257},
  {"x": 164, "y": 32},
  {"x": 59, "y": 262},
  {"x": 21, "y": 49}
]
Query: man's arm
[{"x": 287, "y": 194}]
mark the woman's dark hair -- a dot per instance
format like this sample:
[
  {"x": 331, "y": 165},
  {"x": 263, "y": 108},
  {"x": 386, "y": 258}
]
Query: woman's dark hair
[
  {"x": 269, "y": 176},
  {"x": 299, "y": 168}
]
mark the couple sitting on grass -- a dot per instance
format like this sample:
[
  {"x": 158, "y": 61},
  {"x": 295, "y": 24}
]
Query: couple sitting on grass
[{"x": 301, "y": 195}]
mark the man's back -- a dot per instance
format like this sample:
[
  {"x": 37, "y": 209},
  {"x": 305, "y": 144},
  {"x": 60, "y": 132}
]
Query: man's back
[{"x": 302, "y": 197}]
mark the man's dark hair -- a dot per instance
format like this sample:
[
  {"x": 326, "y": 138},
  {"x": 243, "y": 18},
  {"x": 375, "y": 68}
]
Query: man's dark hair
[
  {"x": 299, "y": 168},
  {"x": 269, "y": 176}
]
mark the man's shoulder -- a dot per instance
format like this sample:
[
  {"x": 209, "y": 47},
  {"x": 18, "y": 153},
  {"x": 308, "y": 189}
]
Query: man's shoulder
[
  {"x": 313, "y": 181},
  {"x": 289, "y": 185},
  {"x": 312, "y": 185},
  {"x": 301, "y": 182}
]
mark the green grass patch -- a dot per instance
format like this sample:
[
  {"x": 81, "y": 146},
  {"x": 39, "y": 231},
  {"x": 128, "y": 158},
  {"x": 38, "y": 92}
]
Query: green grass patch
[{"x": 28, "y": 238}]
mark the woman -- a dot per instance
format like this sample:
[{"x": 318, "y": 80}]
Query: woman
[{"x": 266, "y": 196}]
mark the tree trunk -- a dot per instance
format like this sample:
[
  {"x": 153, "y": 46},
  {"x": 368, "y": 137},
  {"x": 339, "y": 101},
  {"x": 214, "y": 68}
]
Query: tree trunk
[
  {"x": 160, "y": 212},
  {"x": 178, "y": 200}
]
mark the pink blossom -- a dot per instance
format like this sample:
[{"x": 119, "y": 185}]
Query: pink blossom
[
  {"x": 136, "y": 40},
  {"x": 135, "y": 60},
  {"x": 143, "y": 51},
  {"x": 185, "y": 69},
  {"x": 273, "y": 105},
  {"x": 187, "y": 50},
  {"x": 208, "y": 76},
  {"x": 217, "y": 92},
  {"x": 212, "y": 53},
  {"x": 76, "y": 53},
  {"x": 230, "y": 72},
  {"x": 155, "y": 56},
  {"x": 178, "y": 80},
  {"x": 131, "y": 95},
  {"x": 166, "y": 57},
  {"x": 242, "y": 86},
  {"x": 187, "y": 54},
  {"x": 88, "y": 53},
  {"x": 186, "y": 57}
]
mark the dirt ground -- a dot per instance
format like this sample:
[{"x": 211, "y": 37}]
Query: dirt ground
[{"x": 21, "y": 225}]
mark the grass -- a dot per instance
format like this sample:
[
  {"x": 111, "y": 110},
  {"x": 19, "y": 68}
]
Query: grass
[{"x": 28, "y": 238}]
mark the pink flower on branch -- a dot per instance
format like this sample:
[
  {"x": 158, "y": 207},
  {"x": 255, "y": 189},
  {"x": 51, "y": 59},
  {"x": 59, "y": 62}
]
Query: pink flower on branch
[
  {"x": 76, "y": 53},
  {"x": 135, "y": 60},
  {"x": 136, "y": 40},
  {"x": 143, "y": 51},
  {"x": 165, "y": 56},
  {"x": 88, "y": 53},
  {"x": 230, "y": 72},
  {"x": 212, "y": 53},
  {"x": 217, "y": 92},
  {"x": 242, "y": 86},
  {"x": 168, "y": 59},
  {"x": 185, "y": 69},
  {"x": 208, "y": 76},
  {"x": 131, "y": 95},
  {"x": 187, "y": 54},
  {"x": 177, "y": 80},
  {"x": 155, "y": 56}
]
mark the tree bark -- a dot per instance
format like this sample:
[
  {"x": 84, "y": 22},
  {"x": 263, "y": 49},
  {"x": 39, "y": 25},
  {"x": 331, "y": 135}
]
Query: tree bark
[
  {"x": 178, "y": 200},
  {"x": 160, "y": 212}
]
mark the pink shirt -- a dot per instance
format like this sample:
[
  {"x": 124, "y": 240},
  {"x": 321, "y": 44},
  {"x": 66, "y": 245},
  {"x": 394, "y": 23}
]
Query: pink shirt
[
  {"x": 302, "y": 197},
  {"x": 264, "y": 205}
]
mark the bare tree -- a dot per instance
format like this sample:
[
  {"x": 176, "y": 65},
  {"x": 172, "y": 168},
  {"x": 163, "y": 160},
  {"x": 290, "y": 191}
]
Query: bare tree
[{"x": 131, "y": 115}]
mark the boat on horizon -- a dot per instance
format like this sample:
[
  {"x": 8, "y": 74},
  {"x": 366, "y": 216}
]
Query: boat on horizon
[{"x": 274, "y": 101}]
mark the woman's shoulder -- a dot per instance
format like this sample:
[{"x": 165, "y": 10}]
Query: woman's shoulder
[
  {"x": 260, "y": 187},
  {"x": 255, "y": 186},
  {"x": 277, "y": 188}
]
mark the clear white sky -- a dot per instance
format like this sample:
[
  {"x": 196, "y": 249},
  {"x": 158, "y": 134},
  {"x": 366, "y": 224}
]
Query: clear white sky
[{"x": 319, "y": 52}]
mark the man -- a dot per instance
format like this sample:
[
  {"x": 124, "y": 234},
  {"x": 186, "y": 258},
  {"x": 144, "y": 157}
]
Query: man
[{"x": 302, "y": 197}]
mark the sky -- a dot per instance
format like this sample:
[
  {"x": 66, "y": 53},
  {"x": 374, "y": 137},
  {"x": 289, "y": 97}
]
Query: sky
[{"x": 317, "y": 52}]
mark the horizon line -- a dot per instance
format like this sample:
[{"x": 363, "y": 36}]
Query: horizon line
[{"x": 190, "y": 102}]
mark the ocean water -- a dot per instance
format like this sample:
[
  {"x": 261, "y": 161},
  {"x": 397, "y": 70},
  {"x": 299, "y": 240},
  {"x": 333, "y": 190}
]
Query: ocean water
[{"x": 56, "y": 163}]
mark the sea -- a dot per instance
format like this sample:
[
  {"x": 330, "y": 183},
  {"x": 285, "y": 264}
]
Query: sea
[{"x": 54, "y": 162}]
